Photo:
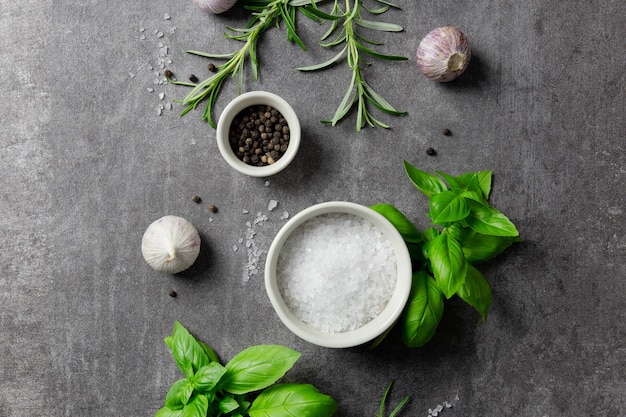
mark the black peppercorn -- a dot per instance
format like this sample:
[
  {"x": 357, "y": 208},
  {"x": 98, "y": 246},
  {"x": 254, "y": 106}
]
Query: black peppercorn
[
  {"x": 172, "y": 293},
  {"x": 196, "y": 199},
  {"x": 211, "y": 67},
  {"x": 256, "y": 132},
  {"x": 431, "y": 151},
  {"x": 212, "y": 208},
  {"x": 446, "y": 132},
  {"x": 168, "y": 73},
  {"x": 193, "y": 78}
]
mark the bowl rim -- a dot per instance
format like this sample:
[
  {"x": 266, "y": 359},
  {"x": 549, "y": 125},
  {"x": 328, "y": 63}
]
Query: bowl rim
[
  {"x": 373, "y": 328},
  {"x": 242, "y": 102}
]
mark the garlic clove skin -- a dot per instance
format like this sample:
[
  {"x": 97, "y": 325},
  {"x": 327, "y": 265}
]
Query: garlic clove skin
[
  {"x": 215, "y": 6},
  {"x": 170, "y": 244},
  {"x": 443, "y": 54}
]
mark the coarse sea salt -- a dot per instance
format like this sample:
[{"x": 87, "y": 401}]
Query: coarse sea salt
[{"x": 336, "y": 272}]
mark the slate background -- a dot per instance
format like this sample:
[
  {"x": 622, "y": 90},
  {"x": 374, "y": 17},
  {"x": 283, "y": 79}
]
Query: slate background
[{"x": 87, "y": 163}]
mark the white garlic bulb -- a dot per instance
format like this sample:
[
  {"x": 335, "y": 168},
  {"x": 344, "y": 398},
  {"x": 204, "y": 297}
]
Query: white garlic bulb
[
  {"x": 443, "y": 54},
  {"x": 171, "y": 244},
  {"x": 215, "y": 6}
]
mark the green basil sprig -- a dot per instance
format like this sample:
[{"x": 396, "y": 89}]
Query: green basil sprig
[
  {"x": 466, "y": 231},
  {"x": 211, "y": 389}
]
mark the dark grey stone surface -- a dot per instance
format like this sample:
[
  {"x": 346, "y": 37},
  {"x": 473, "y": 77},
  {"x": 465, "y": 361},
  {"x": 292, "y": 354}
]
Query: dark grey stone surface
[{"x": 87, "y": 164}]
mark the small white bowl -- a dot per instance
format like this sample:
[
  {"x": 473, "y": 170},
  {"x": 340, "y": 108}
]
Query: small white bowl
[
  {"x": 242, "y": 102},
  {"x": 368, "y": 331}
]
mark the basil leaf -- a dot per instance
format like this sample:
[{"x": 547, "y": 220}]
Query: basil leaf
[
  {"x": 178, "y": 395},
  {"x": 456, "y": 231},
  {"x": 427, "y": 183},
  {"x": 490, "y": 221},
  {"x": 479, "y": 248},
  {"x": 288, "y": 400},
  {"x": 408, "y": 231},
  {"x": 257, "y": 367},
  {"x": 188, "y": 353},
  {"x": 166, "y": 412},
  {"x": 476, "y": 196},
  {"x": 476, "y": 291},
  {"x": 196, "y": 407},
  {"x": 423, "y": 311},
  {"x": 452, "y": 181},
  {"x": 476, "y": 181},
  {"x": 431, "y": 233},
  {"x": 243, "y": 404},
  {"x": 448, "y": 263},
  {"x": 208, "y": 376},
  {"x": 209, "y": 352},
  {"x": 447, "y": 207},
  {"x": 228, "y": 404}
]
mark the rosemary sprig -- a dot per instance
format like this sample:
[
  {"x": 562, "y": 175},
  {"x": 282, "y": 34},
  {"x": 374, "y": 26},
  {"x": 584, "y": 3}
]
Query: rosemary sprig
[
  {"x": 344, "y": 25},
  {"x": 399, "y": 407},
  {"x": 265, "y": 13}
]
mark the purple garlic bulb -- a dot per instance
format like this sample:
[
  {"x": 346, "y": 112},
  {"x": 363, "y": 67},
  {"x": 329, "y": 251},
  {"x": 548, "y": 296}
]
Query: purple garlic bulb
[{"x": 443, "y": 54}]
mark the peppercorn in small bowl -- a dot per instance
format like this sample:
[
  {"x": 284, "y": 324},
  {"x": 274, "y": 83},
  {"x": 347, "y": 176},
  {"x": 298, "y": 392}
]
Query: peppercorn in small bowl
[
  {"x": 258, "y": 134},
  {"x": 338, "y": 274}
]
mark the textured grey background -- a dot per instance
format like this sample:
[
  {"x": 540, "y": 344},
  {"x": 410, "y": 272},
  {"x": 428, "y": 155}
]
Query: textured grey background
[{"x": 87, "y": 163}]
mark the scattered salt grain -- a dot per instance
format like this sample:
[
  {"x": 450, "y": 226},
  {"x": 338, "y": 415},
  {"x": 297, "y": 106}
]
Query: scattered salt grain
[
  {"x": 168, "y": 106},
  {"x": 272, "y": 205},
  {"x": 260, "y": 217},
  {"x": 159, "y": 34},
  {"x": 150, "y": 90},
  {"x": 142, "y": 37},
  {"x": 267, "y": 183},
  {"x": 167, "y": 16},
  {"x": 336, "y": 272},
  {"x": 131, "y": 74},
  {"x": 441, "y": 407},
  {"x": 284, "y": 215},
  {"x": 161, "y": 96},
  {"x": 141, "y": 29},
  {"x": 245, "y": 211},
  {"x": 235, "y": 248},
  {"x": 251, "y": 267}
]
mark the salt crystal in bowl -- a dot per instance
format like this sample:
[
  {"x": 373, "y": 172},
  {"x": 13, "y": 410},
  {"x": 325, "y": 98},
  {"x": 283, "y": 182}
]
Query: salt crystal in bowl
[
  {"x": 338, "y": 274},
  {"x": 243, "y": 102}
]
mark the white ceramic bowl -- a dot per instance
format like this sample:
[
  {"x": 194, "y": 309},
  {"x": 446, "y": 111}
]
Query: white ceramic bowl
[
  {"x": 242, "y": 102},
  {"x": 368, "y": 331}
]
